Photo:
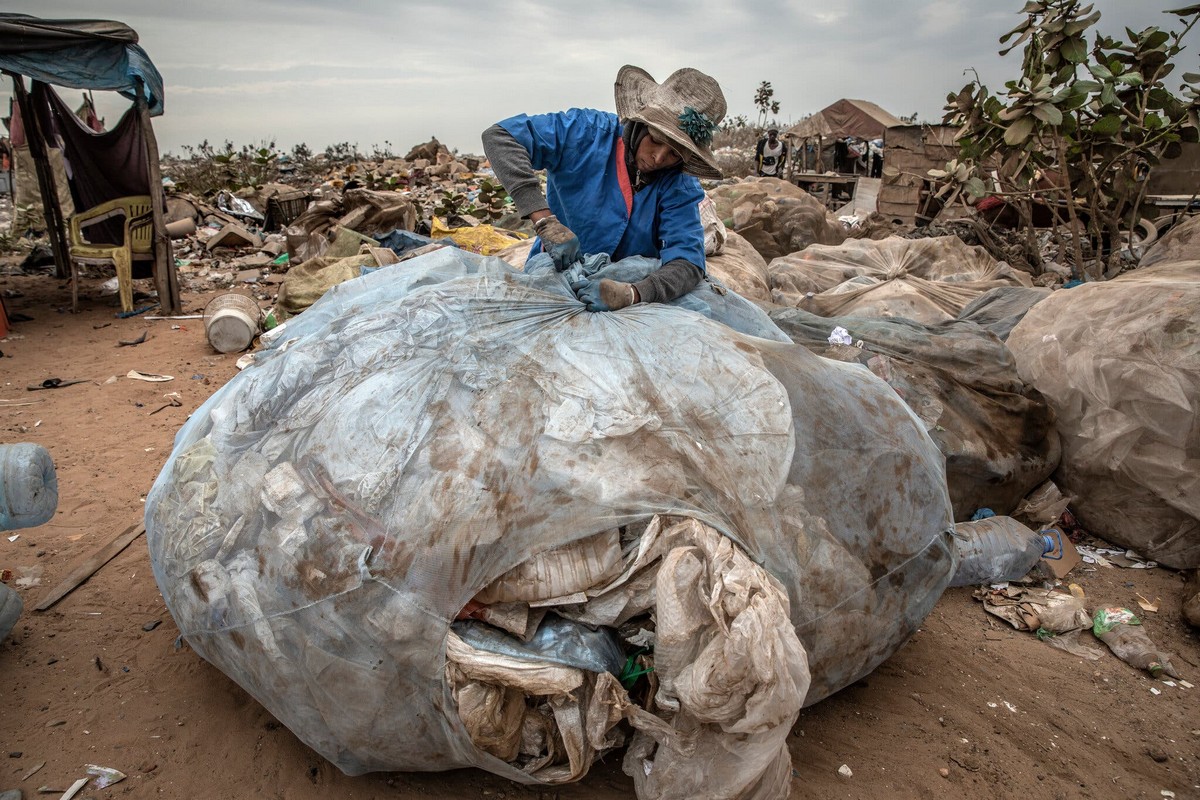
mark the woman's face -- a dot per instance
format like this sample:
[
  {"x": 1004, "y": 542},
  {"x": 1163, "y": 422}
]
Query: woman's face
[{"x": 653, "y": 153}]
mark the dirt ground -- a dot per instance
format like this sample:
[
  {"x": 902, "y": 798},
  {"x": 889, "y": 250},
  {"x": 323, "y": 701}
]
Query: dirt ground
[{"x": 968, "y": 707}]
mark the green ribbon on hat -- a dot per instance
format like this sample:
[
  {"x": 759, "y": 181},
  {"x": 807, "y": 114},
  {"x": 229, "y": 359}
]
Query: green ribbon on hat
[{"x": 698, "y": 127}]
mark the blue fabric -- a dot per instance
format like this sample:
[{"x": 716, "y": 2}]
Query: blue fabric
[
  {"x": 577, "y": 148},
  {"x": 113, "y": 66}
]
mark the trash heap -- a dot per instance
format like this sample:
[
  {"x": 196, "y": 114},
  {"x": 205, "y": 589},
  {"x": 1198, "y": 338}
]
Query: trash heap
[
  {"x": 449, "y": 518},
  {"x": 248, "y": 239}
]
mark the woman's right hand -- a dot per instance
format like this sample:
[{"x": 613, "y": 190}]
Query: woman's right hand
[{"x": 558, "y": 241}]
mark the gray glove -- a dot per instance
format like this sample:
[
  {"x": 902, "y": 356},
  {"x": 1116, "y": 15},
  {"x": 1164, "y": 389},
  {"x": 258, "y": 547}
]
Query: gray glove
[{"x": 558, "y": 241}]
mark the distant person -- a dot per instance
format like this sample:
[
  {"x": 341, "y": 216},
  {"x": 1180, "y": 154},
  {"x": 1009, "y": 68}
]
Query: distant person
[
  {"x": 770, "y": 155},
  {"x": 875, "y": 151},
  {"x": 624, "y": 184},
  {"x": 841, "y": 155}
]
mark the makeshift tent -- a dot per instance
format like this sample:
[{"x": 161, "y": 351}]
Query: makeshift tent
[
  {"x": 858, "y": 118},
  {"x": 89, "y": 54}
]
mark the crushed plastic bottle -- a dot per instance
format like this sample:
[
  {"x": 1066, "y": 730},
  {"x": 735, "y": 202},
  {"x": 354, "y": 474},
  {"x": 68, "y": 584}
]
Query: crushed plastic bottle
[
  {"x": 996, "y": 549},
  {"x": 1121, "y": 630}
]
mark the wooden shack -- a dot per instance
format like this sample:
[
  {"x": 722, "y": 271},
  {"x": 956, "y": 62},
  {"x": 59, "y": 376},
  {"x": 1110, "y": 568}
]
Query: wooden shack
[{"x": 909, "y": 152}]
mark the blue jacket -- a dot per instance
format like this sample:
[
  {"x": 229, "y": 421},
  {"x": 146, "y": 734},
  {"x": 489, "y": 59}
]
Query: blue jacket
[{"x": 588, "y": 189}]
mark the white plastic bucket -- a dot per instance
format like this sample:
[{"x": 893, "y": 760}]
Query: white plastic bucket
[{"x": 231, "y": 322}]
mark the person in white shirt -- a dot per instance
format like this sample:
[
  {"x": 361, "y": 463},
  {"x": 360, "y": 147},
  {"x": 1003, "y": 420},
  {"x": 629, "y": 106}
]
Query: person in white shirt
[{"x": 770, "y": 155}]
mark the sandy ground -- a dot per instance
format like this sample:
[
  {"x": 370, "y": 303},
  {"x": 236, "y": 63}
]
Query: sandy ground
[{"x": 968, "y": 707}]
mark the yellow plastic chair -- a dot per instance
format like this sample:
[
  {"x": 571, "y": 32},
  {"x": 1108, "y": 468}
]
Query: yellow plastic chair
[{"x": 137, "y": 242}]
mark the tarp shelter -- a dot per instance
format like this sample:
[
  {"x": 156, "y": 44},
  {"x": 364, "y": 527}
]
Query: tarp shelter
[
  {"x": 90, "y": 54},
  {"x": 861, "y": 119}
]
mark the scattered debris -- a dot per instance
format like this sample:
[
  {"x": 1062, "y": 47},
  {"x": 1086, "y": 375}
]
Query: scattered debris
[
  {"x": 104, "y": 776},
  {"x": 132, "y": 342},
  {"x": 85, "y": 568},
  {"x": 53, "y": 383},
  {"x": 150, "y": 377},
  {"x": 1122, "y": 631}
]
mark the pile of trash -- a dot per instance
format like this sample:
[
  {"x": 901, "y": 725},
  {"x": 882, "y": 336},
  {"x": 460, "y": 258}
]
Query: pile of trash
[
  {"x": 249, "y": 239},
  {"x": 447, "y": 498}
]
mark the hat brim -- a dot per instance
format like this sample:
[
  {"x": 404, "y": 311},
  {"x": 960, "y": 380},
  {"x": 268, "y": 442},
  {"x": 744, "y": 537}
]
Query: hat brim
[
  {"x": 632, "y": 90},
  {"x": 697, "y": 159}
]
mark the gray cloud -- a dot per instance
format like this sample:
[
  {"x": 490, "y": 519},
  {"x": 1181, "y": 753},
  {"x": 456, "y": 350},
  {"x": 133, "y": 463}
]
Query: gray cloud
[{"x": 370, "y": 71}]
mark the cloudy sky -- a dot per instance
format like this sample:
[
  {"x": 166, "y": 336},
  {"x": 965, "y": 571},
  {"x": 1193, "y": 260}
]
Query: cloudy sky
[{"x": 376, "y": 71}]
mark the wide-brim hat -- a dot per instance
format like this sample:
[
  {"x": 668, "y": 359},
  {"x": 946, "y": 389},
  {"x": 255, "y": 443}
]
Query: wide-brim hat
[{"x": 684, "y": 110}]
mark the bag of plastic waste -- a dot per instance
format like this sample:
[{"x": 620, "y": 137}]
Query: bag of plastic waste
[
  {"x": 996, "y": 432},
  {"x": 926, "y": 280},
  {"x": 446, "y": 444},
  {"x": 1119, "y": 363},
  {"x": 775, "y": 217},
  {"x": 28, "y": 486}
]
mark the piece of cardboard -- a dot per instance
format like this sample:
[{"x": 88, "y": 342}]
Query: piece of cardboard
[{"x": 1063, "y": 558}]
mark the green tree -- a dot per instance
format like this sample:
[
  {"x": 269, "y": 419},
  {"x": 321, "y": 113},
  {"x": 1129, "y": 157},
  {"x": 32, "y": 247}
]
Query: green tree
[
  {"x": 763, "y": 102},
  {"x": 1079, "y": 127}
]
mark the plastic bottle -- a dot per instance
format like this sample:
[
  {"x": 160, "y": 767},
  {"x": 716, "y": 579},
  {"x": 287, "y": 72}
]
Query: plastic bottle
[
  {"x": 1121, "y": 630},
  {"x": 996, "y": 549},
  {"x": 28, "y": 486}
]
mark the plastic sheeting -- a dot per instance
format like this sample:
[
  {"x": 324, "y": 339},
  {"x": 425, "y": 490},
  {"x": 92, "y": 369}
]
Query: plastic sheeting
[
  {"x": 741, "y": 268},
  {"x": 776, "y": 217},
  {"x": 1179, "y": 244},
  {"x": 999, "y": 310},
  {"x": 426, "y": 429},
  {"x": 80, "y": 54},
  {"x": 996, "y": 432},
  {"x": 1119, "y": 362},
  {"x": 926, "y": 280}
]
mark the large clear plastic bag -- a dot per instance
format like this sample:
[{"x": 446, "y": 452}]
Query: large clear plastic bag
[
  {"x": 996, "y": 432},
  {"x": 1119, "y": 363},
  {"x": 926, "y": 280},
  {"x": 427, "y": 432}
]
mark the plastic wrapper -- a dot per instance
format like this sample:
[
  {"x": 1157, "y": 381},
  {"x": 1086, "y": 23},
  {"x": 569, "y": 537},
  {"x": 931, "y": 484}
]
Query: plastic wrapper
[
  {"x": 926, "y": 280},
  {"x": 483, "y": 239},
  {"x": 1119, "y": 363},
  {"x": 422, "y": 433}
]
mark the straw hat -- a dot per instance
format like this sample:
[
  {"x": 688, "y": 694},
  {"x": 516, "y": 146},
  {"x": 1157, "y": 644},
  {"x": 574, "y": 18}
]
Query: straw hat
[{"x": 685, "y": 110}]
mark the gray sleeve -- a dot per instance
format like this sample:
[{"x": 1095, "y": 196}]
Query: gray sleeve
[
  {"x": 511, "y": 163},
  {"x": 671, "y": 280}
]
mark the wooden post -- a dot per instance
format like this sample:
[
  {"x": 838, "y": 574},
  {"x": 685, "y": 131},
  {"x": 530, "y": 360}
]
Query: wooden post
[
  {"x": 166, "y": 278},
  {"x": 45, "y": 174}
]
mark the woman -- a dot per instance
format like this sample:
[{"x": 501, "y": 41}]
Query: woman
[{"x": 624, "y": 184}]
